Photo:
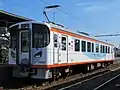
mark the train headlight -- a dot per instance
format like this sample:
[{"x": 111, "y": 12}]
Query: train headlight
[
  {"x": 13, "y": 55},
  {"x": 25, "y": 61}
]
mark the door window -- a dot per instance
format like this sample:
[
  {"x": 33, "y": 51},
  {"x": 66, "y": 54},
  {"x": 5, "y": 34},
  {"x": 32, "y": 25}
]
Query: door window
[
  {"x": 77, "y": 44},
  {"x": 24, "y": 42},
  {"x": 55, "y": 40},
  {"x": 63, "y": 43}
]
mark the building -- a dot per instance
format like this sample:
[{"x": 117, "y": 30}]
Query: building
[{"x": 7, "y": 19}]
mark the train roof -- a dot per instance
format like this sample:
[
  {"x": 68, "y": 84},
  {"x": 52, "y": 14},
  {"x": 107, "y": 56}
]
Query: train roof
[{"x": 61, "y": 27}]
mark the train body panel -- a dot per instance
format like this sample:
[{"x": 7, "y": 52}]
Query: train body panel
[{"x": 45, "y": 47}]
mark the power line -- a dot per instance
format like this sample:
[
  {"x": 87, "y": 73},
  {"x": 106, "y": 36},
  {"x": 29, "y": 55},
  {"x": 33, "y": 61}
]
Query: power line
[
  {"x": 68, "y": 14},
  {"x": 107, "y": 35},
  {"x": 45, "y": 2}
]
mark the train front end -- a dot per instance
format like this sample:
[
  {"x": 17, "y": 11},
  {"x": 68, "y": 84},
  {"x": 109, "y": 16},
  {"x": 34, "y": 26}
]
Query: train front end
[{"x": 28, "y": 52}]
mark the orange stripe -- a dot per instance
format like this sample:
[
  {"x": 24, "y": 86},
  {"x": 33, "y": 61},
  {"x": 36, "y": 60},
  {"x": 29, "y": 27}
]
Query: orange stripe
[
  {"x": 76, "y": 35},
  {"x": 63, "y": 64},
  {"x": 68, "y": 64}
]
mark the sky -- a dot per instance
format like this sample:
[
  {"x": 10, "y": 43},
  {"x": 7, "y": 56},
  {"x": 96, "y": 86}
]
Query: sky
[{"x": 95, "y": 17}]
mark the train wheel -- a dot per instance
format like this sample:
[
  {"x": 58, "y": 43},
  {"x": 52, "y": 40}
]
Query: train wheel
[
  {"x": 106, "y": 65},
  {"x": 102, "y": 65},
  {"x": 54, "y": 74},
  {"x": 95, "y": 65},
  {"x": 69, "y": 71},
  {"x": 89, "y": 67}
]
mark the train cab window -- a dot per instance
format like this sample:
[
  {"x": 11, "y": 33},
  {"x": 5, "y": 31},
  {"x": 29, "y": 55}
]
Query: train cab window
[
  {"x": 41, "y": 35},
  {"x": 88, "y": 47},
  {"x": 97, "y": 48},
  {"x": 55, "y": 38},
  {"x": 92, "y": 47},
  {"x": 83, "y": 46},
  {"x": 63, "y": 41},
  {"x": 77, "y": 45},
  {"x": 13, "y": 36}
]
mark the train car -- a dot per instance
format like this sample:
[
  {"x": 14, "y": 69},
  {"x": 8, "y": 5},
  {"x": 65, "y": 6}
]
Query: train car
[{"x": 47, "y": 50}]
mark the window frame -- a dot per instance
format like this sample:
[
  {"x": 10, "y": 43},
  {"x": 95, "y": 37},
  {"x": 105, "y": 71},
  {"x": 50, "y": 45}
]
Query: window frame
[
  {"x": 37, "y": 29},
  {"x": 64, "y": 47},
  {"x": 13, "y": 36},
  {"x": 101, "y": 48},
  {"x": 22, "y": 48},
  {"x": 83, "y": 48},
  {"x": 55, "y": 40},
  {"x": 97, "y": 47},
  {"x": 76, "y": 45},
  {"x": 93, "y": 47},
  {"x": 108, "y": 49},
  {"x": 88, "y": 46}
]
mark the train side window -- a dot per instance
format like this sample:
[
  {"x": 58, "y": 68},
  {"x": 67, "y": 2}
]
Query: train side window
[
  {"x": 55, "y": 40},
  {"x": 88, "y": 47},
  {"x": 92, "y": 47},
  {"x": 105, "y": 50},
  {"x": 108, "y": 49},
  {"x": 77, "y": 45},
  {"x": 101, "y": 49},
  {"x": 63, "y": 41},
  {"x": 97, "y": 48},
  {"x": 83, "y": 46},
  {"x": 111, "y": 50}
]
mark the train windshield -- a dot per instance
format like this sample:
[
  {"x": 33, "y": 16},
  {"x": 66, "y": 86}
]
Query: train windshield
[
  {"x": 41, "y": 35},
  {"x": 13, "y": 31}
]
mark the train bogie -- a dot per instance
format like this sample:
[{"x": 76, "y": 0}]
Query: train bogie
[{"x": 38, "y": 73}]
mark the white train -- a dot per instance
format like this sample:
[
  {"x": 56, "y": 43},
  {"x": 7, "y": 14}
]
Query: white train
[{"x": 46, "y": 50}]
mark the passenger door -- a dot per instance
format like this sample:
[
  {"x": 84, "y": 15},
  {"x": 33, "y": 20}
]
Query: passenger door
[
  {"x": 23, "y": 47},
  {"x": 63, "y": 50},
  {"x": 55, "y": 48}
]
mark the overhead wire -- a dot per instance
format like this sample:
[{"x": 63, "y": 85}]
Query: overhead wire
[{"x": 66, "y": 13}]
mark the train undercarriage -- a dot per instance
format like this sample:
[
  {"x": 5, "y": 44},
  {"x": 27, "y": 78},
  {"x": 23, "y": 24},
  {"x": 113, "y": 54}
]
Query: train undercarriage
[{"x": 58, "y": 72}]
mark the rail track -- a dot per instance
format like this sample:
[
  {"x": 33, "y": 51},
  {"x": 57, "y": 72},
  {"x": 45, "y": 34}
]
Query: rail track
[
  {"x": 94, "y": 83},
  {"x": 28, "y": 84},
  {"x": 105, "y": 83}
]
